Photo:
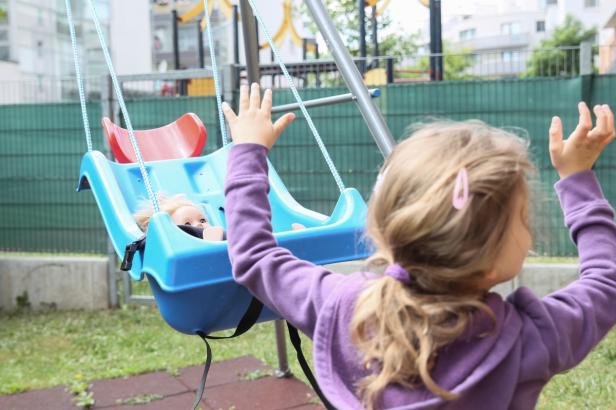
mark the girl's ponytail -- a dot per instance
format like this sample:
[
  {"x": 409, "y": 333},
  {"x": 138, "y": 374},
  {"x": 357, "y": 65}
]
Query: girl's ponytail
[
  {"x": 400, "y": 332},
  {"x": 445, "y": 251}
]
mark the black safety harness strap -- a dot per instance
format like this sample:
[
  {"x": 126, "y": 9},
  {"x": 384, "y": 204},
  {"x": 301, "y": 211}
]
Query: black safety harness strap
[
  {"x": 246, "y": 322},
  {"x": 249, "y": 318},
  {"x": 139, "y": 245},
  {"x": 296, "y": 341}
]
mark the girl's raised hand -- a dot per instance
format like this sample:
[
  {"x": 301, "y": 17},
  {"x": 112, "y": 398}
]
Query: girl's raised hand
[
  {"x": 580, "y": 151},
  {"x": 253, "y": 124}
]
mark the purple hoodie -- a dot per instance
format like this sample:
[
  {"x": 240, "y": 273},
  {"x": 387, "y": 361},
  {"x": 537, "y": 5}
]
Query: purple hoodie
[{"x": 533, "y": 340}]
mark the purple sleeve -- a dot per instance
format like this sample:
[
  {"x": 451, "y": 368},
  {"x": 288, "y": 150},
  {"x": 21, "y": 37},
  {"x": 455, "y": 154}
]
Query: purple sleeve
[
  {"x": 571, "y": 321},
  {"x": 293, "y": 287}
]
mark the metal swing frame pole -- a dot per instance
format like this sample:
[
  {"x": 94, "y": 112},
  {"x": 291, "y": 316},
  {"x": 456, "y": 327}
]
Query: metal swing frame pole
[
  {"x": 372, "y": 116},
  {"x": 353, "y": 79},
  {"x": 251, "y": 50}
]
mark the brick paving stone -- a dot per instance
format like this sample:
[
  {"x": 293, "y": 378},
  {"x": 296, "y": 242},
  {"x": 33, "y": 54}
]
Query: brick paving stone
[
  {"x": 227, "y": 388},
  {"x": 44, "y": 399},
  {"x": 267, "y": 393},
  {"x": 225, "y": 372},
  {"x": 106, "y": 392},
  {"x": 178, "y": 401},
  {"x": 308, "y": 407}
]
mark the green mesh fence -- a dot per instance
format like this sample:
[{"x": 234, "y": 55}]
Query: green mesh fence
[
  {"x": 40, "y": 151},
  {"x": 41, "y": 146}
]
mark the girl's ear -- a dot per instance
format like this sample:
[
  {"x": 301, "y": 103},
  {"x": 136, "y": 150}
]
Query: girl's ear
[{"x": 489, "y": 280}]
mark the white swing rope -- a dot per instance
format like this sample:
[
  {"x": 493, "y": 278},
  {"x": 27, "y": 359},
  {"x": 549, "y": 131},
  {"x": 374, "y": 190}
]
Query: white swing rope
[
  {"x": 129, "y": 125},
  {"x": 122, "y": 104},
  {"x": 210, "y": 38},
  {"x": 313, "y": 128},
  {"x": 82, "y": 97}
]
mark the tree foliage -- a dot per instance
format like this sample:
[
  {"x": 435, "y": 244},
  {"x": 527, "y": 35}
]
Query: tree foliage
[
  {"x": 559, "y": 54},
  {"x": 345, "y": 15},
  {"x": 455, "y": 63}
]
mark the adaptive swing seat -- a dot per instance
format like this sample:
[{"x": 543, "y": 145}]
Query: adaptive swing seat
[
  {"x": 185, "y": 137},
  {"x": 190, "y": 277}
]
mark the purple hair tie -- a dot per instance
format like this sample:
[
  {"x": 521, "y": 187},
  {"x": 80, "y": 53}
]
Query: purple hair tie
[{"x": 399, "y": 273}]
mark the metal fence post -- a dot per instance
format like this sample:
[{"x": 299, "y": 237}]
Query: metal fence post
[
  {"x": 281, "y": 347},
  {"x": 230, "y": 83},
  {"x": 586, "y": 58},
  {"x": 112, "y": 272},
  {"x": 586, "y": 74},
  {"x": 389, "y": 69}
]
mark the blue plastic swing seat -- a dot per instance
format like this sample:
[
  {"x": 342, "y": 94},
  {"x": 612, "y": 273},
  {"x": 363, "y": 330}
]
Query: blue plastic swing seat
[{"x": 191, "y": 278}]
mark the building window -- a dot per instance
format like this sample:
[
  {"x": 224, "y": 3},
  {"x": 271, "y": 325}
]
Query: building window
[
  {"x": 510, "y": 56},
  {"x": 467, "y": 34},
  {"x": 510, "y": 28},
  {"x": 4, "y": 53},
  {"x": 550, "y": 2},
  {"x": 39, "y": 48},
  {"x": 540, "y": 26},
  {"x": 590, "y": 3}
]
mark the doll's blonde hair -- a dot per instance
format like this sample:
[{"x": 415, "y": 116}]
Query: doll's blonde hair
[
  {"x": 399, "y": 329},
  {"x": 165, "y": 203}
]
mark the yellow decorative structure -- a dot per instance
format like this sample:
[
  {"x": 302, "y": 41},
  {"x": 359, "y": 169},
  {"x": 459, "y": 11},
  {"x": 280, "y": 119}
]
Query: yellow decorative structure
[
  {"x": 376, "y": 76},
  {"x": 287, "y": 26},
  {"x": 227, "y": 9},
  {"x": 201, "y": 87},
  {"x": 380, "y": 9},
  {"x": 425, "y": 3},
  {"x": 223, "y": 5}
]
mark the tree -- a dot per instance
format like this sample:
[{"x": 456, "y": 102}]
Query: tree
[
  {"x": 455, "y": 63},
  {"x": 559, "y": 54},
  {"x": 345, "y": 15}
]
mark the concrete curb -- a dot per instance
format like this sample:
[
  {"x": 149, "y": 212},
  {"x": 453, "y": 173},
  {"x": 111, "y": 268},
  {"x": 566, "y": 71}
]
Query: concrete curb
[
  {"x": 53, "y": 282},
  {"x": 82, "y": 282}
]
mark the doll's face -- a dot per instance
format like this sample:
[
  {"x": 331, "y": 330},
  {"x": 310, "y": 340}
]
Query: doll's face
[{"x": 189, "y": 215}]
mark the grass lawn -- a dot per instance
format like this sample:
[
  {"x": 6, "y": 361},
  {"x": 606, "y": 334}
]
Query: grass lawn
[{"x": 57, "y": 348}]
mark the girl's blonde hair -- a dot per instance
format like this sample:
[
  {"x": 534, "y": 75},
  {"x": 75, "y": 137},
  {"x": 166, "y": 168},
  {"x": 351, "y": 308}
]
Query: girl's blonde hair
[
  {"x": 166, "y": 204},
  {"x": 399, "y": 329}
]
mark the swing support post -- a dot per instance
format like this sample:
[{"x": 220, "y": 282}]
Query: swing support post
[
  {"x": 251, "y": 47},
  {"x": 251, "y": 51},
  {"x": 376, "y": 124}
]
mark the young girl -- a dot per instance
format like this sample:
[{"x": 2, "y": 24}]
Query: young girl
[
  {"x": 448, "y": 220},
  {"x": 182, "y": 212}
]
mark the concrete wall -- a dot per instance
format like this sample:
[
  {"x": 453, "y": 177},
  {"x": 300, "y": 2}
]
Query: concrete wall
[
  {"x": 60, "y": 282},
  {"x": 82, "y": 282}
]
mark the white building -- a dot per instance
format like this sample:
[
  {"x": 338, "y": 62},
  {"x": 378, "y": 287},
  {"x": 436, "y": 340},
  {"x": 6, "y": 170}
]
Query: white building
[
  {"x": 502, "y": 33},
  {"x": 131, "y": 36},
  {"x": 35, "y": 48},
  {"x": 36, "y": 59},
  {"x": 279, "y": 16},
  {"x": 607, "y": 52}
]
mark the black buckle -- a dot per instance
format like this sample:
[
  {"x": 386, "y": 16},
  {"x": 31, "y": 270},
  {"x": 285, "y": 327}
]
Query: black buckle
[{"x": 129, "y": 253}]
